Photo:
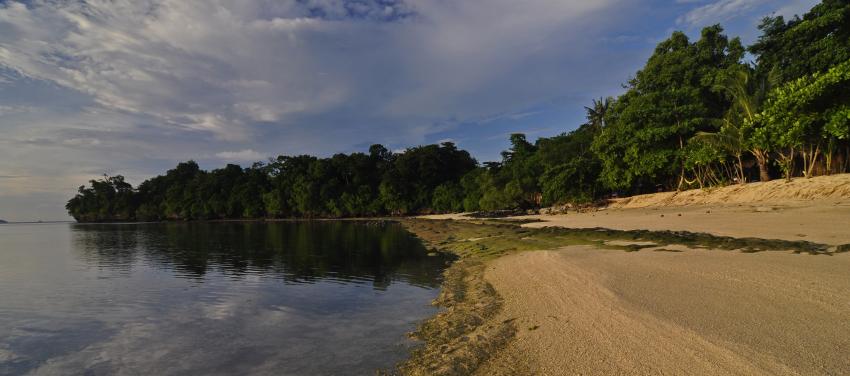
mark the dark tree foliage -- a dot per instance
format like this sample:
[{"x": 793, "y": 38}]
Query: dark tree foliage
[
  {"x": 668, "y": 102},
  {"x": 423, "y": 179},
  {"x": 802, "y": 46},
  {"x": 108, "y": 199},
  {"x": 408, "y": 187},
  {"x": 571, "y": 168},
  {"x": 694, "y": 116}
]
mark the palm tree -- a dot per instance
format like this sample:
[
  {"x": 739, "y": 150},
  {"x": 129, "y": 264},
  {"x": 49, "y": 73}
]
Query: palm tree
[
  {"x": 740, "y": 122},
  {"x": 730, "y": 139},
  {"x": 596, "y": 113}
]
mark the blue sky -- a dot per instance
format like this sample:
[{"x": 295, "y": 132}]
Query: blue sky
[{"x": 134, "y": 86}]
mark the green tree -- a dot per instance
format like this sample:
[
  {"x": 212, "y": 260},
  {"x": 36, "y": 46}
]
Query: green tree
[
  {"x": 804, "y": 114},
  {"x": 108, "y": 199},
  {"x": 669, "y": 100},
  {"x": 736, "y": 135},
  {"x": 802, "y": 46},
  {"x": 571, "y": 168},
  {"x": 597, "y": 111},
  {"x": 448, "y": 197}
]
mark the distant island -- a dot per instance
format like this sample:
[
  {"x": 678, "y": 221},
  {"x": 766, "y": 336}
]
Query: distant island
[
  {"x": 2, "y": 221},
  {"x": 697, "y": 115}
]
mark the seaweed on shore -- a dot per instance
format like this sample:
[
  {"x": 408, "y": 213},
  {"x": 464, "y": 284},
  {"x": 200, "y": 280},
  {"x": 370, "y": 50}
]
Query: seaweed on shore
[
  {"x": 699, "y": 240},
  {"x": 463, "y": 336}
]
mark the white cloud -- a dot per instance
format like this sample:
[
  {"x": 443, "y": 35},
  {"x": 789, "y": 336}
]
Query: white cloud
[
  {"x": 81, "y": 142},
  {"x": 718, "y": 11},
  {"x": 9, "y": 110},
  {"x": 218, "y": 66},
  {"x": 246, "y": 155},
  {"x": 796, "y": 8},
  {"x": 134, "y": 86}
]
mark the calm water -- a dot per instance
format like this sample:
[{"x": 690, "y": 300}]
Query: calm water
[{"x": 305, "y": 298}]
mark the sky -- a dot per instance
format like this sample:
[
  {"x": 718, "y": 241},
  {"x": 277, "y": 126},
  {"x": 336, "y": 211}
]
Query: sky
[{"x": 132, "y": 87}]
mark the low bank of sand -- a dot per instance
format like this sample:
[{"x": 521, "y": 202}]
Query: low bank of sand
[
  {"x": 670, "y": 309},
  {"x": 826, "y": 222},
  {"x": 815, "y": 210}
]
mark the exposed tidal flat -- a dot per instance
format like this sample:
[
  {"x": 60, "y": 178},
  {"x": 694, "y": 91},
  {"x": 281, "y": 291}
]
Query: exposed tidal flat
[{"x": 691, "y": 287}]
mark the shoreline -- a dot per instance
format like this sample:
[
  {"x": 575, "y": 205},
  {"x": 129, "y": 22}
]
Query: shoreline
[
  {"x": 814, "y": 209},
  {"x": 817, "y": 221},
  {"x": 605, "y": 287},
  {"x": 522, "y": 266},
  {"x": 456, "y": 340}
]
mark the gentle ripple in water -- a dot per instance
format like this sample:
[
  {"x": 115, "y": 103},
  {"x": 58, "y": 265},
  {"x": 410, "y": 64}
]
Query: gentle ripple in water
[{"x": 283, "y": 298}]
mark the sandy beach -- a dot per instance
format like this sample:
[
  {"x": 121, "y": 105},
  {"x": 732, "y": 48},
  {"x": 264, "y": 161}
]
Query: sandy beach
[
  {"x": 580, "y": 310},
  {"x": 594, "y": 309},
  {"x": 816, "y": 210},
  {"x": 826, "y": 222}
]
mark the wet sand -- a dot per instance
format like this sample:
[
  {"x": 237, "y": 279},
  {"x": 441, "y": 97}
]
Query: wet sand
[
  {"x": 826, "y": 222},
  {"x": 815, "y": 210},
  {"x": 669, "y": 309},
  {"x": 584, "y": 310}
]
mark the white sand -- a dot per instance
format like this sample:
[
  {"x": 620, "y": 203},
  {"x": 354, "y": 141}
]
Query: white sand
[
  {"x": 816, "y": 210},
  {"x": 582, "y": 310}
]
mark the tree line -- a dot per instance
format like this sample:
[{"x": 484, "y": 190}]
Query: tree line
[
  {"x": 344, "y": 185},
  {"x": 696, "y": 115}
]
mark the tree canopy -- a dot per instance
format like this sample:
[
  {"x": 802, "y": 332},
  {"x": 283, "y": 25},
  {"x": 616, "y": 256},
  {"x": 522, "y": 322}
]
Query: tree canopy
[
  {"x": 419, "y": 180},
  {"x": 668, "y": 102},
  {"x": 695, "y": 115}
]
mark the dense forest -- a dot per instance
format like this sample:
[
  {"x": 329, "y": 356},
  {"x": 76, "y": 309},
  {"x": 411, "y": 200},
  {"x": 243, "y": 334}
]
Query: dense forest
[{"x": 699, "y": 114}]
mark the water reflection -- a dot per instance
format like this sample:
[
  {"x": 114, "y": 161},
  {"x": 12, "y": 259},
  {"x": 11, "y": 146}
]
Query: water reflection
[
  {"x": 297, "y": 252},
  {"x": 283, "y": 298}
]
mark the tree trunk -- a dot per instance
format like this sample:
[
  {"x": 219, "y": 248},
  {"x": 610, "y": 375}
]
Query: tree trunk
[
  {"x": 741, "y": 178},
  {"x": 699, "y": 176},
  {"x": 682, "y": 172},
  {"x": 830, "y": 146},
  {"x": 828, "y": 159},
  {"x": 810, "y": 156},
  {"x": 845, "y": 160},
  {"x": 761, "y": 159},
  {"x": 787, "y": 160},
  {"x": 681, "y": 180}
]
